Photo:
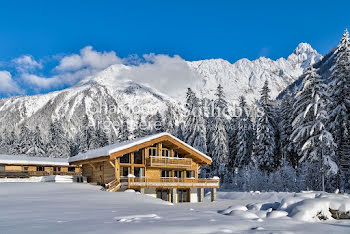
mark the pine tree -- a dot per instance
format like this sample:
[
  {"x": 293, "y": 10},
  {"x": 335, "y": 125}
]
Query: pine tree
[
  {"x": 23, "y": 143},
  {"x": 86, "y": 135},
  {"x": 195, "y": 133},
  {"x": 265, "y": 145},
  {"x": 339, "y": 105},
  {"x": 170, "y": 126},
  {"x": 124, "y": 133},
  {"x": 233, "y": 141},
  {"x": 36, "y": 146},
  {"x": 58, "y": 144},
  {"x": 316, "y": 142},
  {"x": 245, "y": 136},
  {"x": 9, "y": 142},
  {"x": 158, "y": 123},
  {"x": 286, "y": 129},
  {"x": 102, "y": 138},
  {"x": 140, "y": 129},
  {"x": 180, "y": 131},
  {"x": 218, "y": 139}
]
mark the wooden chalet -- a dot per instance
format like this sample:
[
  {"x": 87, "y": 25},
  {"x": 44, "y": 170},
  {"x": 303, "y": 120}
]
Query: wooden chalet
[
  {"x": 22, "y": 166},
  {"x": 159, "y": 165}
]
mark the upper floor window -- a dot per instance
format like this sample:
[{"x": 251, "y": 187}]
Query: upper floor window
[
  {"x": 165, "y": 173},
  {"x": 40, "y": 169},
  {"x": 178, "y": 174},
  {"x": 165, "y": 153},
  {"x": 25, "y": 168},
  {"x": 189, "y": 174},
  {"x": 56, "y": 169},
  {"x": 178, "y": 155},
  {"x": 139, "y": 172},
  {"x": 71, "y": 169},
  {"x": 138, "y": 159},
  {"x": 2, "y": 167},
  {"x": 124, "y": 171},
  {"x": 125, "y": 158},
  {"x": 152, "y": 151}
]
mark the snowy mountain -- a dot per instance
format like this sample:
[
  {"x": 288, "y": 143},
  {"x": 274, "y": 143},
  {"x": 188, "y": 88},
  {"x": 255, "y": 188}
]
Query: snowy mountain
[
  {"x": 99, "y": 96},
  {"x": 247, "y": 77}
]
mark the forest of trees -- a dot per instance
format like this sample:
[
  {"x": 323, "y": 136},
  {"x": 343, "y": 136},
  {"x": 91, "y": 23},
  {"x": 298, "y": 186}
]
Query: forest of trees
[{"x": 297, "y": 143}]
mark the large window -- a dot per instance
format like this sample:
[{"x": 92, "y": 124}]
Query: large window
[
  {"x": 183, "y": 195},
  {"x": 163, "y": 194},
  {"x": 24, "y": 169},
  {"x": 124, "y": 171},
  {"x": 125, "y": 158},
  {"x": 165, "y": 173},
  {"x": 189, "y": 174},
  {"x": 139, "y": 171},
  {"x": 165, "y": 153},
  {"x": 71, "y": 169},
  {"x": 152, "y": 151},
  {"x": 57, "y": 169},
  {"x": 138, "y": 157},
  {"x": 179, "y": 174},
  {"x": 178, "y": 155},
  {"x": 40, "y": 169},
  {"x": 2, "y": 167}
]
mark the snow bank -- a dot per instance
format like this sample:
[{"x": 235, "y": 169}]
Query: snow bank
[
  {"x": 304, "y": 206},
  {"x": 317, "y": 208},
  {"x": 52, "y": 178}
]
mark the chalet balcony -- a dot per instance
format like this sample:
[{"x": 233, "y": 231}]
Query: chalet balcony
[
  {"x": 169, "y": 182},
  {"x": 169, "y": 162}
]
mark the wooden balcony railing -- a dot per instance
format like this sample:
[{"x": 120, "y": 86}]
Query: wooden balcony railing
[
  {"x": 26, "y": 174},
  {"x": 144, "y": 182},
  {"x": 169, "y": 162}
]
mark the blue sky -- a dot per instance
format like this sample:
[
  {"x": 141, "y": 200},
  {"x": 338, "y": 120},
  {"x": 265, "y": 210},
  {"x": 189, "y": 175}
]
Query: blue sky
[{"x": 47, "y": 31}]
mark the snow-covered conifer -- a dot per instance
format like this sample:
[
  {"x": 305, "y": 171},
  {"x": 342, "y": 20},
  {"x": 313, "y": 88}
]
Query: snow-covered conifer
[
  {"x": 316, "y": 143},
  {"x": 245, "y": 136},
  {"x": 265, "y": 145}
]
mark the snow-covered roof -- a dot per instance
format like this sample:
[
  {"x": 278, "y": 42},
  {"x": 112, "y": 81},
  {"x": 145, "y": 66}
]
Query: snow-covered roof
[
  {"x": 26, "y": 160},
  {"x": 109, "y": 149}
]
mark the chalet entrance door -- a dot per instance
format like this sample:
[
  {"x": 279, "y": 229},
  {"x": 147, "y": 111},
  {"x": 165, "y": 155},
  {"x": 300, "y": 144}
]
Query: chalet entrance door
[
  {"x": 183, "y": 195},
  {"x": 163, "y": 194}
]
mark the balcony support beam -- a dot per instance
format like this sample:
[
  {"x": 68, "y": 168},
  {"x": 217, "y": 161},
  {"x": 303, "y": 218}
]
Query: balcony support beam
[
  {"x": 173, "y": 192},
  {"x": 213, "y": 194},
  {"x": 200, "y": 192}
]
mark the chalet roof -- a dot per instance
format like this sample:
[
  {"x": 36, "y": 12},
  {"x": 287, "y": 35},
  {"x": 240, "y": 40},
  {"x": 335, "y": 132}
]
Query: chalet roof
[
  {"x": 110, "y": 149},
  {"x": 27, "y": 160}
]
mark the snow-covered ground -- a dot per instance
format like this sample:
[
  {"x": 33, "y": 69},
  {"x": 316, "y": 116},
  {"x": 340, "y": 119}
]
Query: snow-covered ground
[{"x": 83, "y": 208}]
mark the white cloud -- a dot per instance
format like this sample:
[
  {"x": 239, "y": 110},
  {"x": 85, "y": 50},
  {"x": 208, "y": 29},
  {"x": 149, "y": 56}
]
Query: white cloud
[
  {"x": 26, "y": 63},
  {"x": 170, "y": 75},
  {"x": 59, "y": 80},
  {"x": 72, "y": 68},
  {"x": 88, "y": 58},
  {"x": 7, "y": 84}
]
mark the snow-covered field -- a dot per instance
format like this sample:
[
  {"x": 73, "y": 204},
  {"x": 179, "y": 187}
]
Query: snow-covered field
[{"x": 83, "y": 208}]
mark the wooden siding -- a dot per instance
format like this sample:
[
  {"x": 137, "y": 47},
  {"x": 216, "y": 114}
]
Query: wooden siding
[{"x": 106, "y": 169}]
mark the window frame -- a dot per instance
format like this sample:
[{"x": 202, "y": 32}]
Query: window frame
[
  {"x": 121, "y": 158},
  {"x": 142, "y": 158}
]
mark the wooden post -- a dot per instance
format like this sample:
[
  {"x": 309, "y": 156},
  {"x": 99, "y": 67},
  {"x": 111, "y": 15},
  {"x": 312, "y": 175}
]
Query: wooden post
[
  {"x": 159, "y": 149},
  {"x": 132, "y": 163},
  {"x": 213, "y": 194},
  {"x": 200, "y": 192},
  {"x": 173, "y": 192},
  {"x": 142, "y": 190},
  {"x": 116, "y": 170}
]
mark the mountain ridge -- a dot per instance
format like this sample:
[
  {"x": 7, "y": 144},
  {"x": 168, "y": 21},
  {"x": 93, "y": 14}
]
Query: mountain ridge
[{"x": 115, "y": 86}]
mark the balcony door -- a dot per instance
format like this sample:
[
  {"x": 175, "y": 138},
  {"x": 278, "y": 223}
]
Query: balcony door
[
  {"x": 183, "y": 195},
  {"x": 163, "y": 194}
]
